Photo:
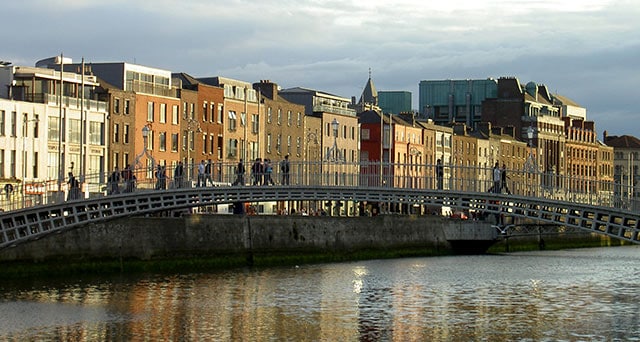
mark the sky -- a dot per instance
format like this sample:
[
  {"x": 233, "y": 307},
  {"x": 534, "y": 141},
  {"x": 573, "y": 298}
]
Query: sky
[{"x": 587, "y": 50}]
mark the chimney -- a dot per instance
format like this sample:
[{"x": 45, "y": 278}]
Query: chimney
[
  {"x": 267, "y": 88},
  {"x": 460, "y": 129},
  {"x": 485, "y": 128},
  {"x": 510, "y": 131}
]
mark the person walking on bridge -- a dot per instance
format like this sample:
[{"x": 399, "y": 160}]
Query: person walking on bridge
[
  {"x": 503, "y": 179},
  {"x": 239, "y": 173},
  {"x": 497, "y": 179}
]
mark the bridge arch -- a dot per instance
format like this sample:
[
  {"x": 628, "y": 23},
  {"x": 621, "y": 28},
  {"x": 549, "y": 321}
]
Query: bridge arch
[{"x": 36, "y": 222}]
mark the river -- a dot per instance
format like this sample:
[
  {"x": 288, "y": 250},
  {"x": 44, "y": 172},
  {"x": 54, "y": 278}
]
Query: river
[{"x": 568, "y": 295}]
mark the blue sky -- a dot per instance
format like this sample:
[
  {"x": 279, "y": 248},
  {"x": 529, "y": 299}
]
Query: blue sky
[{"x": 586, "y": 50}]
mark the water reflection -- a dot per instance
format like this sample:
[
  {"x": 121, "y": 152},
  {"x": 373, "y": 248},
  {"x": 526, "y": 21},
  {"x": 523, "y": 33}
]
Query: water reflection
[{"x": 590, "y": 294}]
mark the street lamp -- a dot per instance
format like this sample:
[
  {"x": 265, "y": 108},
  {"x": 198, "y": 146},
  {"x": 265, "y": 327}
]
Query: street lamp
[
  {"x": 193, "y": 127},
  {"x": 145, "y": 138},
  {"x": 530, "y": 165},
  {"x": 334, "y": 154}
]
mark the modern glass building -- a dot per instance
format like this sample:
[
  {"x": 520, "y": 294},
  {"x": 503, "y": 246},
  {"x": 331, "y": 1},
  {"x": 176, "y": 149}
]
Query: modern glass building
[
  {"x": 395, "y": 102},
  {"x": 447, "y": 101}
]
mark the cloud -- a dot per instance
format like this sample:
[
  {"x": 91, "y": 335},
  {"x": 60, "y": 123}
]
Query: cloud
[{"x": 586, "y": 50}]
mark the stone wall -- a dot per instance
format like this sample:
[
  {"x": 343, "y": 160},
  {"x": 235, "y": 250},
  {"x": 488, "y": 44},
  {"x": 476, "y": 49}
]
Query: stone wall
[{"x": 193, "y": 235}]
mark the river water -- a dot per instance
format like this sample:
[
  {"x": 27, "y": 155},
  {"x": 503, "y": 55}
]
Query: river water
[{"x": 568, "y": 295}]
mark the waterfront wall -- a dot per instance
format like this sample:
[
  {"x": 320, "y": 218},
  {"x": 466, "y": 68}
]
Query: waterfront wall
[{"x": 206, "y": 235}]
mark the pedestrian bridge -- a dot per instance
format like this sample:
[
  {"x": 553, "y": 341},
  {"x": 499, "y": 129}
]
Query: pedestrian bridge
[{"x": 33, "y": 223}]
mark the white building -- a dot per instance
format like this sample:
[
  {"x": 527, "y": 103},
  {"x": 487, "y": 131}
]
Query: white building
[{"x": 42, "y": 141}]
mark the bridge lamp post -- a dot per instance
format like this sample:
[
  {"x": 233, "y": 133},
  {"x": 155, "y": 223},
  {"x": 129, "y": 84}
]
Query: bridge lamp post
[
  {"x": 531, "y": 165},
  {"x": 193, "y": 127},
  {"x": 145, "y": 152},
  {"x": 311, "y": 136},
  {"x": 24, "y": 155}
]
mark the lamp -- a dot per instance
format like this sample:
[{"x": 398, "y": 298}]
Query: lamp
[{"x": 335, "y": 124}]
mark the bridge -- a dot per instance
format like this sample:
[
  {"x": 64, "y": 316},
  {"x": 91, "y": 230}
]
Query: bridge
[{"x": 36, "y": 222}]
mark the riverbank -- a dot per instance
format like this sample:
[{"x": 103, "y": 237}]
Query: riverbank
[{"x": 199, "y": 243}]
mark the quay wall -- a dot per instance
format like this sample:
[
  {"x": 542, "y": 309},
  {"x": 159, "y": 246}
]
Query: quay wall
[{"x": 209, "y": 235}]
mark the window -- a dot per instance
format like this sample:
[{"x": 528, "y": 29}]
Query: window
[
  {"x": 2, "y": 163},
  {"x": 74, "y": 131},
  {"x": 125, "y": 134},
  {"x": 279, "y": 116},
  {"x": 279, "y": 144},
  {"x": 255, "y": 125},
  {"x": 163, "y": 112},
  {"x": 150, "y": 111},
  {"x": 174, "y": 142},
  {"x": 299, "y": 121},
  {"x": 14, "y": 117},
  {"x": 220, "y": 141},
  {"x": 127, "y": 107},
  {"x": 192, "y": 111},
  {"x": 205, "y": 147},
  {"x": 163, "y": 141},
  {"x": 213, "y": 112},
  {"x": 269, "y": 143},
  {"x": 269, "y": 115},
  {"x": 174, "y": 115},
  {"x": 53, "y": 125},
  {"x": 298, "y": 146},
  {"x": 288, "y": 118},
  {"x": 150, "y": 141},
  {"x": 95, "y": 133},
  {"x": 232, "y": 120},
  {"x": 365, "y": 133},
  {"x": 25, "y": 121},
  {"x": 2, "y": 122},
  {"x": 289, "y": 144},
  {"x": 116, "y": 133},
  {"x": 36, "y": 123},
  {"x": 205, "y": 111},
  {"x": 220, "y": 111},
  {"x": 116, "y": 105},
  {"x": 233, "y": 147}
]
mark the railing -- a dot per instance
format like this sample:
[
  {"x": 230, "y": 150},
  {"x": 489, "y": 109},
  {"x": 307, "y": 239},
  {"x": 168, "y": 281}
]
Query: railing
[{"x": 319, "y": 173}]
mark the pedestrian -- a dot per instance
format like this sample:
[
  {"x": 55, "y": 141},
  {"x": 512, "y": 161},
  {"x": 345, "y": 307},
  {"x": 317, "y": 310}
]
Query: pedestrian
[
  {"x": 74, "y": 188},
  {"x": 161, "y": 176},
  {"x": 503, "y": 179},
  {"x": 207, "y": 173},
  {"x": 178, "y": 174},
  {"x": 114, "y": 180},
  {"x": 284, "y": 169},
  {"x": 497, "y": 178},
  {"x": 268, "y": 171},
  {"x": 127, "y": 176},
  {"x": 8, "y": 189},
  {"x": 256, "y": 172},
  {"x": 239, "y": 173},
  {"x": 439, "y": 174},
  {"x": 201, "y": 177}
]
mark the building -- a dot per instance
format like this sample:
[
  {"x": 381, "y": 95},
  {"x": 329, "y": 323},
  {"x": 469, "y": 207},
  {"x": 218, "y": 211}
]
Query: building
[
  {"x": 145, "y": 118},
  {"x": 626, "y": 154},
  {"x": 204, "y": 131},
  {"x": 448, "y": 101},
  {"x": 394, "y": 102},
  {"x": 588, "y": 164},
  {"x": 527, "y": 108},
  {"x": 339, "y": 139},
  {"x": 241, "y": 122},
  {"x": 42, "y": 141}
]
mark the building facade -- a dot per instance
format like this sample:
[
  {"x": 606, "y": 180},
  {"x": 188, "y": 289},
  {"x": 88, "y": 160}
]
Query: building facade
[{"x": 50, "y": 126}]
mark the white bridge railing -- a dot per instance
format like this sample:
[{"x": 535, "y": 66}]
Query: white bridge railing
[{"x": 591, "y": 191}]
